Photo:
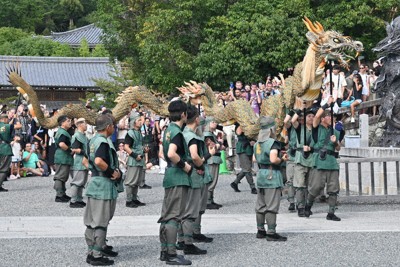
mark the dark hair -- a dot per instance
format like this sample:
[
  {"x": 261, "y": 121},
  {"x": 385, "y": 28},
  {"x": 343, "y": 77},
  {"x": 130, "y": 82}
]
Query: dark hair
[
  {"x": 175, "y": 109},
  {"x": 103, "y": 121},
  {"x": 192, "y": 114},
  {"x": 61, "y": 119}
]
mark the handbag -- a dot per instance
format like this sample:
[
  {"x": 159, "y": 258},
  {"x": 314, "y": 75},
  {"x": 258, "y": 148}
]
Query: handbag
[{"x": 347, "y": 103}]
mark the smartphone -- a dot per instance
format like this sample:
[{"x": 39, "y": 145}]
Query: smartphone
[
  {"x": 33, "y": 147},
  {"x": 361, "y": 57},
  {"x": 231, "y": 85}
]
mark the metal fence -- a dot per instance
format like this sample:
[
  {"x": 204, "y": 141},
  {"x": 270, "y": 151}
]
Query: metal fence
[{"x": 371, "y": 163}]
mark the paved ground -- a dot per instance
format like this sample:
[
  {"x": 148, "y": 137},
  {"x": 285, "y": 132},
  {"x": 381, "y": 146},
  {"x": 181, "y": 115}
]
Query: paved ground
[{"x": 36, "y": 231}]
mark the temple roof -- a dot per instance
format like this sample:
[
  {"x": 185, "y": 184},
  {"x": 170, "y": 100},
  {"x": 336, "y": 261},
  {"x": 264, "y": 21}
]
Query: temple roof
[
  {"x": 73, "y": 38},
  {"x": 58, "y": 71}
]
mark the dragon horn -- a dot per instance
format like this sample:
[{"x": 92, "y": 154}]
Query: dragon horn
[
  {"x": 319, "y": 26},
  {"x": 310, "y": 26}
]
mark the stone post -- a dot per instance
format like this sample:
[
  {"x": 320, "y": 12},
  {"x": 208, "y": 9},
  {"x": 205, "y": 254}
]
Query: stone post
[{"x": 364, "y": 130}]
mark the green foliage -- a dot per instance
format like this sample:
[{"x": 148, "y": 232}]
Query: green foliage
[
  {"x": 109, "y": 89},
  {"x": 44, "y": 16},
  {"x": 35, "y": 46},
  {"x": 100, "y": 51},
  {"x": 9, "y": 34},
  {"x": 84, "y": 48}
]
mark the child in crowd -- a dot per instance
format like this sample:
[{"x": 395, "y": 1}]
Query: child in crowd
[{"x": 16, "y": 158}]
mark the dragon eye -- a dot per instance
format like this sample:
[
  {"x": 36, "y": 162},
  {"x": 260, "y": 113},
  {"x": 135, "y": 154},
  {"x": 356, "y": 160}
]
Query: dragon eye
[{"x": 336, "y": 40}]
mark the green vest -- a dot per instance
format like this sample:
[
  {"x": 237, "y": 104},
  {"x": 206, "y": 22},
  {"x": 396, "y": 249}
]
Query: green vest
[
  {"x": 330, "y": 163},
  {"x": 5, "y": 139},
  {"x": 267, "y": 178},
  {"x": 81, "y": 137},
  {"x": 216, "y": 159},
  {"x": 61, "y": 156},
  {"x": 100, "y": 187},
  {"x": 174, "y": 176},
  {"x": 137, "y": 147},
  {"x": 300, "y": 159},
  {"x": 243, "y": 145},
  {"x": 189, "y": 135}
]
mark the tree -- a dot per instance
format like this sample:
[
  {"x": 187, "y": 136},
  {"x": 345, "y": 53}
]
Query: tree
[
  {"x": 9, "y": 34},
  {"x": 73, "y": 8},
  {"x": 84, "y": 48},
  {"x": 35, "y": 46},
  {"x": 100, "y": 51}
]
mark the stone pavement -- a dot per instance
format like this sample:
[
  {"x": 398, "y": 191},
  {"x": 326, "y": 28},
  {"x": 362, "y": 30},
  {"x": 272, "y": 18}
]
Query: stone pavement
[
  {"x": 36, "y": 231},
  {"x": 58, "y": 227}
]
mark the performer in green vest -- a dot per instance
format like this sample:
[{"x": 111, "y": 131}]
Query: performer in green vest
[
  {"x": 101, "y": 192},
  {"x": 213, "y": 162},
  {"x": 6, "y": 153},
  {"x": 198, "y": 158},
  {"x": 244, "y": 149},
  {"x": 291, "y": 135},
  {"x": 269, "y": 180},
  {"x": 326, "y": 167},
  {"x": 209, "y": 151},
  {"x": 81, "y": 164},
  {"x": 135, "y": 172},
  {"x": 304, "y": 160},
  {"x": 63, "y": 159},
  {"x": 176, "y": 183}
]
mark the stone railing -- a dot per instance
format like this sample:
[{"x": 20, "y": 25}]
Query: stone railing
[{"x": 370, "y": 176}]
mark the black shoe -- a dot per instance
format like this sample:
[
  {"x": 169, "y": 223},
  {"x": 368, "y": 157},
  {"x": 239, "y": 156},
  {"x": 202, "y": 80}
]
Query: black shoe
[
  {"x": 145, "y": 186},
  {"x": 276, "y": 237},
  {"x": 108, "y": 247},
  {"x": 109, "y": 253},
  {"x": 82, "y": 203},
  {"x": 300, "y": 212},
  {"x": 200, "y": 238},
  {"x": 261, "y": 234},
  {"x": 177, "y": 260},
  {"x": 66, "y": 197},
  {"x": 102, "y": 261},
  {"x": 292, "y": 207},
  {"x": 180, "y": 245},
  {"x": 307, "y": 211},
  {"x": 76, "y": 205},
  {"x": 193, "y": 250},
  {"x": 2, "y": 189},
  {"x": 61, "y": 199},
  {"x": 163, "y": 256},
  {"x": 130, "y": 204},
  {"x": 254, "y": 191},
  {"x": 332, "y": 217},
  {"x": 219, "y": 205},
  {"x": 212, "y": 206},
  {"x": 89, "y": 258},
  {"x": 235, "y": 187},
  {"x": 138, "y": 203}
]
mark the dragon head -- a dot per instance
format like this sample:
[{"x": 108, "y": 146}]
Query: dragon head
[
  {"x": 331, "y": 44},
  {"x": 192, "y": 92},
  {"x": 390, "y": 44}
]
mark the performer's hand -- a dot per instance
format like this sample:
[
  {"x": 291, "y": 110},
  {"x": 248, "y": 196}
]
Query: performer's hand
[
  {"x": 139, "y": 157},
  {"x": 285, "y": 157},
  {"x": 306, "y": 148},
  {"x": 187, "y": 167},
  {"x": 212, "y": 149},
  {"x": 116, "y": 175},
  {"x": 333, "y": 138}
]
